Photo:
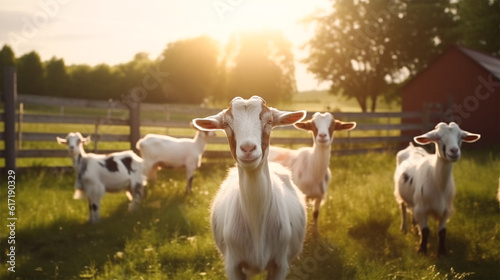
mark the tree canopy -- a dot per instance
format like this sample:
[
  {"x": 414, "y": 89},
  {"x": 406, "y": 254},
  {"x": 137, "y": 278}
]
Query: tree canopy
[
  {"x": 30, "y": 68},
  {"x": 193, "y": 71},
  {"x": 362, "y": 47},
  {"x": 188, "y": 69},
  {"x": 260, "y": 63}
]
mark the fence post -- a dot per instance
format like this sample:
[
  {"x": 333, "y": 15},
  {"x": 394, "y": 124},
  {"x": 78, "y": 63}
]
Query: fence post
[
  {"x": 10, "y": 98},
  {"x": 135, "y": 124},
  {"x": 20, "y": 127}
]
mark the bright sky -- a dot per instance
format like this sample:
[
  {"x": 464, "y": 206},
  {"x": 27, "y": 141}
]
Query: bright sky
[{"x": 113, "y": 31}]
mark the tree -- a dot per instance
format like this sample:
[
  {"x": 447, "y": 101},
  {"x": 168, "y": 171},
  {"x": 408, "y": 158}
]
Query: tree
[
  {"x": 80, "y": 80},
  {"x": 57, "y": 81},
  {"x": 141, "y": 78},
  {"x": 30, "y": 74},
  {"x": 364, "y": 47},
  {"x": 479, "y": 25},
  {"x": 188, "y": 70},
  {"x": 7, "y": 58},
  {"x": 260, "y": 63},
  {"x": 104, "y": 83}
]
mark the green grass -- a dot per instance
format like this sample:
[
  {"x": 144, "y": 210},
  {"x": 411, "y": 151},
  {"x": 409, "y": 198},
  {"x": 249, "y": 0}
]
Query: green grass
[{"x": 169, "y": 236}]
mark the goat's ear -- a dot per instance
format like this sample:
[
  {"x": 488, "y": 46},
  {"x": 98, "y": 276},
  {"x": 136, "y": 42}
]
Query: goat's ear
[
  {"x": 61, "y": 141},
  {"x": 286, "y": 118},
  {"x": 424, "y": 139},
  {"x": 209, "y": 123},
  {"x": 307, "y": 125},
  {"x": 86, "y": 140},
  {"x": 470, "y": 137},
  {"x": 344, "y": 125}
]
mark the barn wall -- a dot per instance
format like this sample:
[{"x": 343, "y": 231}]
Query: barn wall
[{"x": 468, "y": 94}]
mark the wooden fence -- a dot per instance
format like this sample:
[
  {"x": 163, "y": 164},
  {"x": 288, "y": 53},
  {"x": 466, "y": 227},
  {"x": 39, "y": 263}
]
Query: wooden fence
[{"x": 374, "y": 132}]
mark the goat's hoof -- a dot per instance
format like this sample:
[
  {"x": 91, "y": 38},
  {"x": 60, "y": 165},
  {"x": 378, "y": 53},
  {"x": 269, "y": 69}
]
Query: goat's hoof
[
  {"x": 442, "y": 253},
  {"x": 422, "y": 251}
]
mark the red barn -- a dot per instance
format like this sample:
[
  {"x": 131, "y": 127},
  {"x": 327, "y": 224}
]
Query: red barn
[{"x": 463, "y": 86}]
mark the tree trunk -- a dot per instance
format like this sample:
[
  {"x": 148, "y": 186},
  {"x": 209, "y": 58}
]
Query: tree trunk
[
  {"x": 362, "y": 103},
  {"x": 374, "y": 103}
]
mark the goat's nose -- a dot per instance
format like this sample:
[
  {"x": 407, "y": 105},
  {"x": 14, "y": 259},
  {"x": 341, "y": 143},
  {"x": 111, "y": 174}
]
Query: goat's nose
[
  {"x": 248, "y": 148},
  {"x": 454, "y": 151},
  {"x": 322, "y": 135}
]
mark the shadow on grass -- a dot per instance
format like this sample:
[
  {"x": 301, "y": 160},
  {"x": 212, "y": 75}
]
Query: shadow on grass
[
  {"x": 68, "y": 249},
  {"x": 373, "y": 235},
  {"x": 319, "y": 259}
]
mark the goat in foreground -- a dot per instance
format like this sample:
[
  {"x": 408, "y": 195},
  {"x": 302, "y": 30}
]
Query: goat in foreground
[
  {"x": 98, "y": 174},
  {"x": 310, "y": 166},
  {"x": 165, "y": 151},
  {"x": 258, "y": 217},
  {"x": 424, "y": 182}
]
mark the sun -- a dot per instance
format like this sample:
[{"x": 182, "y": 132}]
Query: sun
[{"x": 245, "y": 15}]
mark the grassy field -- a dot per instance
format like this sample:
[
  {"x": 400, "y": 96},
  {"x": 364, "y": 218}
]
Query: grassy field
[{"x": 169, "y": 237}]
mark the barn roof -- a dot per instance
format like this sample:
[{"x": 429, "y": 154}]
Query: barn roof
[{"x": 490, "y": 63}]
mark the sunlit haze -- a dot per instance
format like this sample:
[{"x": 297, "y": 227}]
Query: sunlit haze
[{"x": 112, "y": 32}]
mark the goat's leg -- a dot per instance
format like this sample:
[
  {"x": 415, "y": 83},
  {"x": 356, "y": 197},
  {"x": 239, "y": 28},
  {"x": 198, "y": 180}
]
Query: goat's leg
[
  {"x": 94, "y": 210},
  {"x": 234, "y": 269},
  {"x": 189, "y": 176},
  {"x": 317, "y": 204},
  {"x": 150, "y": 170},
  {"x": 95, "y": 191},
  {"x": 277, "y": 271},
  {"x": 403, "y": 217},
  {"x": 423, "y": 227},
  {"x": 137, "y": 193},
  {"x": 442, "y": 237},
  {"x": 424, "y": 237}
]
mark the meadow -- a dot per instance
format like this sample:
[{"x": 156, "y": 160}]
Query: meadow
[{"x": 169, "y": 236}]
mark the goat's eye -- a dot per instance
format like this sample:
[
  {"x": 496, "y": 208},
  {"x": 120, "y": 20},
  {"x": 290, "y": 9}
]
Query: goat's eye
[
  {"x": 270, "y": 122},
  {"x": 223, "y": 124}
]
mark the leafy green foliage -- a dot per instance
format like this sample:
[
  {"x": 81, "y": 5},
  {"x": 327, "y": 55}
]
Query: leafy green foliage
[
  {"x": 30, "y": 68},
  {"x": 479, "y": 23},
  {"x": 365, "y": 48}
]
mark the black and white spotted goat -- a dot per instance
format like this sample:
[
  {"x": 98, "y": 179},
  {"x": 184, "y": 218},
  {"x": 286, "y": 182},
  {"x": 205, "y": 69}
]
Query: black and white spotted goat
[
  {"x": 98, "y": 174},
  {"x": 424, "y": 182}
]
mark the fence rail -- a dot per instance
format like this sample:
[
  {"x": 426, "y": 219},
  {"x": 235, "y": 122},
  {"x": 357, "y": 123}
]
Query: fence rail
[{"x": 385, "y": 127}]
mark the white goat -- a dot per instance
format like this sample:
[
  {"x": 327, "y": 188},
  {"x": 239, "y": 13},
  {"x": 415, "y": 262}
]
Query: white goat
[
  {"x": 310, "y": 165},
  {"x": 258, "y": 217},
  {"x": 98, "y": 174},
  {"x": 424, "y": 182},
  {"x": 169, "y": 152}
]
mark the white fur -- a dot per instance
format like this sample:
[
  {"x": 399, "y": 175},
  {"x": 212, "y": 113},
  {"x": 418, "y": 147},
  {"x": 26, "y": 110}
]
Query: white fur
[
  {"x": 258, "y": 217},
  {"x": 165, "y": 151},
  {"x": 98, "y": 174},
  {"x": 310, "y": 166},
  {"x": 424, "y": 182}
]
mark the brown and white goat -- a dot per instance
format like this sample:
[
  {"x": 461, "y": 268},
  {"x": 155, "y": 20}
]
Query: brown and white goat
[{"x": 310, "y": 166}]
